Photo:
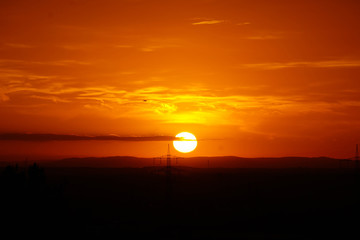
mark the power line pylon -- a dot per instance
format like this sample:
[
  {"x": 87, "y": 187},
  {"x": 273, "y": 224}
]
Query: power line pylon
[{"x": 168, "y": 175}]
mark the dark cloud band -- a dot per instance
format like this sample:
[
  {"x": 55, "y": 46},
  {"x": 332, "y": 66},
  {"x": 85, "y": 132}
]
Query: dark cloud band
[{"x": 59, "y": 137}]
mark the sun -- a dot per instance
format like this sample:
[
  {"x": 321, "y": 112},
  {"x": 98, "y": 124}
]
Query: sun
[{"x": 187, "y": 142}]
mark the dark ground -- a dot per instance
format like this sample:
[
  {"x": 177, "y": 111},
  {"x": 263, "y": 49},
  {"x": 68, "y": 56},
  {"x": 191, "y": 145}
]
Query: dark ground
[{"x": 205, "y": 203}]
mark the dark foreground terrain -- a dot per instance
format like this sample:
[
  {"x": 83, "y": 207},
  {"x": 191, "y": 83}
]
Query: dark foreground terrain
[{"x": 134, "y": 203}]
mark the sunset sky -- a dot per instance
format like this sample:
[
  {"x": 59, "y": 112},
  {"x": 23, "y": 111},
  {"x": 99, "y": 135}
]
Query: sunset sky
[{"x": 247, "y": 78}]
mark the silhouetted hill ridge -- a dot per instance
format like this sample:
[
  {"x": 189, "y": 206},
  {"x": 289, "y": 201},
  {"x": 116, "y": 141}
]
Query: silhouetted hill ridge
[{"x": 200, "y": 162}]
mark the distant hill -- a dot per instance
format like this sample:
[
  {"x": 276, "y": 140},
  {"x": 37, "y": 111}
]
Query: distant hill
[
  {"x": 283, "y": 162},
  {"x": 102, "y": 162},
  {"x": 200, "y": 162}
]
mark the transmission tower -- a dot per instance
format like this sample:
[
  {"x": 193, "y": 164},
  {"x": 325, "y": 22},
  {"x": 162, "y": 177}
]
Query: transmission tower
[
  {"x": 168, "y": 175},
  {"x": 168, "y": 158}
]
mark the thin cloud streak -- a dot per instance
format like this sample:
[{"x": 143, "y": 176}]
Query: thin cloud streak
[
  {"x": 307, "y": 64},
  {"x": 208, "y": 22},
  {"x": 263, "y": 37},
  {"x": 18, "y": 45},
  {"x": 243, "y": 23}
]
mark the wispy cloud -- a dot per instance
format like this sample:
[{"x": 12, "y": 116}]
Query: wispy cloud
[
  {"x": 264, "y": 37},
  {"x": 92, "y": 47},
  {"x": 54, "y": 99},
  {"x": 166, "y": 108},
  {"x": 59, "y": 62},
  {"x": 161, "y": 43},
  {"x": 161, "y": 100},
  {"x": 150, "y": 48},
  {"x": 208, "y": 22},
  {"x": 123, "y": 46},
  {"x": 65, "y": 62},
  {"x": 243, "y": 23},
  {"x": 18, "y": 45},
  {"x": 21, "y": 90},
  {"x": 259, "y": 35},
  {"x": 82, "y": 47},
  {"x": 302, "y": 64}
]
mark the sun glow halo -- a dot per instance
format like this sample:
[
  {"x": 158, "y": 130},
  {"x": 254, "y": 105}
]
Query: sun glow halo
[{"x": 187, "y": 142}]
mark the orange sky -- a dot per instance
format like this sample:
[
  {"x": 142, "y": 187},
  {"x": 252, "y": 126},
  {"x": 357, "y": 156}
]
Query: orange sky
[{"x": 248, "y": 78}]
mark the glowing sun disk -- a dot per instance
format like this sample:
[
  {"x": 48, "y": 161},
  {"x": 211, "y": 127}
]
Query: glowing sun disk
[{"x": 187, "y": 142}]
